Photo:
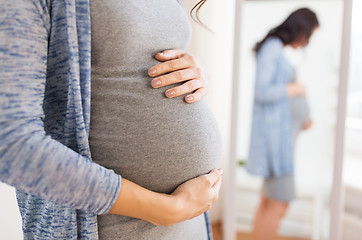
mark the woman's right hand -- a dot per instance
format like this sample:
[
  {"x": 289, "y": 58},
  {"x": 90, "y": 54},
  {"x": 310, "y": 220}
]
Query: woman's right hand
[
  {"x": 295, "y": 89},
  {"x": 307, "y": 125},
  {"x": 197, "y": 195}
]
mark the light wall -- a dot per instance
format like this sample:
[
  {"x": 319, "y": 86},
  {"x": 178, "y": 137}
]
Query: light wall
[{"x": 10, "y": 220}]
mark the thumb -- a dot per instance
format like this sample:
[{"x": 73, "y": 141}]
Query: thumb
[{"x": 214, "y": 176}]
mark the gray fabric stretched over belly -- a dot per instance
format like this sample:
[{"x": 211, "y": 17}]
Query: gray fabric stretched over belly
[
  {"x": 153, "y": 141},
  {"x": 299, "y": 114}
]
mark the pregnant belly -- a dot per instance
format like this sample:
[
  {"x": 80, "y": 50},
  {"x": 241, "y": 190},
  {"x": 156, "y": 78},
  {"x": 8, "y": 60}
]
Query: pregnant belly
[
  {"x": 299, "y": 111},
  {"x": 155, "y": 142}
]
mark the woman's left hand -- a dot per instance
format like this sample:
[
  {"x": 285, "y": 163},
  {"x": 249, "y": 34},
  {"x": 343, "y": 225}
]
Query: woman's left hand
[
  {"x": 307, "y": 125},
  {"x": 178, "y": 66}
]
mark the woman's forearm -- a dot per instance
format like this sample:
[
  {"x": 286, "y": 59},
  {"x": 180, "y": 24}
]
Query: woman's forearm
[
  {"x": 136, "y": 201},
  {"x": 36, "y": 164}
]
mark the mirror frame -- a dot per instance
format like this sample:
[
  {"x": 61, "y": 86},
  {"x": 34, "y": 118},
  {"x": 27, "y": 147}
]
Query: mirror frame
[
  {"x": 337, "y": 196},
  {"x": 337, "y": 192}
]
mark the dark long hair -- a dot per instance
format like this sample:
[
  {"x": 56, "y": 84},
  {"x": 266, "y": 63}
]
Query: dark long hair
[
  {"x": 195, "y": 11},
  {"x": 298, "y": 26}
]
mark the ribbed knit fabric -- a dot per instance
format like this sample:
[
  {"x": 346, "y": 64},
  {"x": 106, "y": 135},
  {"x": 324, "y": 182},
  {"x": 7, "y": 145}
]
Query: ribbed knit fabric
[{"x": 44, "y": 120}]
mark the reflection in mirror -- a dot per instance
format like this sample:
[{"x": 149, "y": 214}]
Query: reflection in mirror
[
  {"x": 317, "y": 69},
  {"x": 352, "y": 221}
]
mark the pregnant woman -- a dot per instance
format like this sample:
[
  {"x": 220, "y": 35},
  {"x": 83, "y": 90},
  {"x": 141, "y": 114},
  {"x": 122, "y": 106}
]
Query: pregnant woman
[
  {"x": 153, "y": 141},
  {"x": 280, "y": 112},
  {"x": 157, "y": 153}
]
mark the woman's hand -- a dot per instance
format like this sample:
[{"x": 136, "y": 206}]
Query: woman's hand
[
  {"x": 307, "y": 125},
  {"x": 178, "y": 66},
  {"x": 189, "y": 200},
  {"x": 295, "y": 89},
  {"x": 197, "y": 195}
]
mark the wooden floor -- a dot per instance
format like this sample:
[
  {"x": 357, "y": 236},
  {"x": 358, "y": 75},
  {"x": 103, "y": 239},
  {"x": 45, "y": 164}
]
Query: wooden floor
[{"x": 217, "y": 232}]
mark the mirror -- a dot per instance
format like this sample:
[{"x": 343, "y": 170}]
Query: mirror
[{"x": 317, "y": 68}]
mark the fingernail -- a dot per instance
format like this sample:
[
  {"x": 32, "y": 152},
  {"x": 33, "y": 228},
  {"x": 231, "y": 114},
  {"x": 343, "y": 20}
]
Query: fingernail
[
  {"x": 164, "y": 54},
  {"x": 220, "y": 170},
  {"x": 170, "y": 93},
  {"x": 156, "y": 83},
  {"x": 152, "y": 71},
  {"x": 189, "y": 98}
]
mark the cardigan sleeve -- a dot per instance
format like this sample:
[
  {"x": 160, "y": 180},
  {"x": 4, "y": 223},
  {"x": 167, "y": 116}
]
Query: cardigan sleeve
[
  {"x": 267, "y": 60},
  {"x": 30, "y": 160}
]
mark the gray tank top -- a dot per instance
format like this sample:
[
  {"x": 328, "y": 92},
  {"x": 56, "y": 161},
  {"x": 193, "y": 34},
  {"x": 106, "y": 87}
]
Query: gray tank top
[{"x": 153, "y": 141}]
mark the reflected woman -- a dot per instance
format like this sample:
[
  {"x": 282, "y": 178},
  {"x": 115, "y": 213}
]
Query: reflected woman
[{"x": 280, "y": 112}]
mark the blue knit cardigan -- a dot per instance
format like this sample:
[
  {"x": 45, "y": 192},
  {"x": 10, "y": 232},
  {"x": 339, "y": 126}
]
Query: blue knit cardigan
[
  {"x": 44, "y": 119},
  {"x": 271, "y": 146}
]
